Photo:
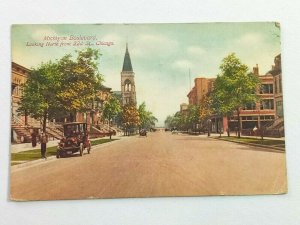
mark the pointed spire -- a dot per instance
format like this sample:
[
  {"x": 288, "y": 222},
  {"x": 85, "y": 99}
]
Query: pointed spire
[{"x": 127, "y": 62}]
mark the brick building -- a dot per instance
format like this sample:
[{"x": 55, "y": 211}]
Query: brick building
[
  {"x": 259, "y": 114},
  {"x": 276, "y": 73},
  {"x": 262, "y": 112},
  {"x": 202, "y": 87},
  {"x": 21, "y": 126}
]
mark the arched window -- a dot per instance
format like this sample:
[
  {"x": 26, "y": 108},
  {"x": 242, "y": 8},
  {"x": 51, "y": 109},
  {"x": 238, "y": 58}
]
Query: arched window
[{"x": 127, "y": 85}]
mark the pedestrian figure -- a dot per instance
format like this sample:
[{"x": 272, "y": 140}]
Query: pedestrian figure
[
  {"x": 43, "y": 141},
  {"x": 254, "y": 130},
  {"x": 33, "y": 139}
]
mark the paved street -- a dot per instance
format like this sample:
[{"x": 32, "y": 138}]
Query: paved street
[{"x": 162, "y": 164}]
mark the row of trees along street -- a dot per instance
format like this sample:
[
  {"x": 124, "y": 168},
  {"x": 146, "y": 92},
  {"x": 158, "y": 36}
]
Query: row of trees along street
[
  {"x": 233, "y": 88},
  {"x": 61, "y": 88}
]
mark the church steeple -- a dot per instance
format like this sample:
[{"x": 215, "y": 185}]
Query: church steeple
[
  {"x": 127, "y": 81},
  {"x": 127, "y": 67}
]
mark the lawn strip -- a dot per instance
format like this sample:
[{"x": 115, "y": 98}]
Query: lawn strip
[
  {"x": 274, "y": 144},
  {"x": 35, "y": 154}
]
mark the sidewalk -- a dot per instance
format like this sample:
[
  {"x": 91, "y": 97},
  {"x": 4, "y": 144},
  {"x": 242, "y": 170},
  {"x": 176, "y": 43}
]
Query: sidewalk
[
  {"x": 257, "y": 137},
  {"x": 15, "y": 148},
  {"x": 25, "y": 164},
  {"x": 273, "y": 147}
]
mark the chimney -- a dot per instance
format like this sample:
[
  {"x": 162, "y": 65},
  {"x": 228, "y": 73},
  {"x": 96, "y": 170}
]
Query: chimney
[{"x": 256, "y": 70}]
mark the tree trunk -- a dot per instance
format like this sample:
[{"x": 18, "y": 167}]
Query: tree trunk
[
  {"x": 72, "y": 116},
  {"x": 44, "y": 121},
  {"x": 239, "y": 123},
  {"x": 26, "y": 117},
  {"x": 109, "y": 127},
  {"x": 228, "y": 129}
]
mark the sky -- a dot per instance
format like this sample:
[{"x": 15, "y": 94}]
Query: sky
[{"x": 161, "y": 54}]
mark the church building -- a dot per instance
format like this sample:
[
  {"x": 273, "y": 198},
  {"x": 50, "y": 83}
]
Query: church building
[{"x": 127, "y": 81}]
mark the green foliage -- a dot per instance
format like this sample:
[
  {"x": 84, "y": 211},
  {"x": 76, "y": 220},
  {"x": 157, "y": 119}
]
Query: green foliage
[
  {"x": 39, "y": 93},
  {"x": 234, "y": 87},
  {"x": 102, "y": 141},
  {"x": 57, "y": 89},
  {"x": 273, "y": 142},
  {"x": 51, "y": 151},
  {"x": 179, "y": 121},
  {"x": 193, "y": 114},
  {"x": 131, "y": 116},
  {"x": 111, "y": 108},
  {"x": 205, "y": 108},
  {"x": 32, "y": 154},
  {"x": 80, "y": 80},
  {"x": 147, "y": 119}
]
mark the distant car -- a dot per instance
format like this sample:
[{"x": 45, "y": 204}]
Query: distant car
[
  {"x": 143, "y": 132},
  {"x": 174, "y": 131},
  {"x": 75, "y": 139}
]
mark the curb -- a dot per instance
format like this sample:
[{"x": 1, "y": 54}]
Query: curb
[
  {"x": 275, "y": 149},
  {"x": 50, "y": 158},
  {"x": 31, "y": 163}
]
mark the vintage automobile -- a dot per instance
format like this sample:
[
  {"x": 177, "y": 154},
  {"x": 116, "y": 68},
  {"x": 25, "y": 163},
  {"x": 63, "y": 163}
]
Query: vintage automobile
[
  {"x": 75, "y": 139},
  {"x": 143, "y": 132}
]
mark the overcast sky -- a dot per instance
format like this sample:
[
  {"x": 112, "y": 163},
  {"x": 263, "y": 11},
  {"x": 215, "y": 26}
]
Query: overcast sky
[{"x": 161, "y": 54}]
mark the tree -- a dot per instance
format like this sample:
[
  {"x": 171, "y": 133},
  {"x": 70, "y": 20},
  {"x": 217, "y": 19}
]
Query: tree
[
  {"x": 168, "y": 122},
  {"x": 131, "y": 118},
  {"x": 193, "y": 116},
  {"x": 80, "y": 81},
  {"x": 234, "y": 88},
  {"x": 147, "y": 119},
  {"x": 178, "y": 121},
  {"x": 111, "y": 108},
  {"x": 55, "y": 89},
  {"x": 39, "y": 98},
  {"x": 205, "y": 111}
]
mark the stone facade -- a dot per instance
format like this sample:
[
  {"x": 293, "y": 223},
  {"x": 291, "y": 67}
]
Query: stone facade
[
  {"x": 127, "y": 81},
  {"x": 18, "y": 78},
  {"x": 276, "y": 73}
]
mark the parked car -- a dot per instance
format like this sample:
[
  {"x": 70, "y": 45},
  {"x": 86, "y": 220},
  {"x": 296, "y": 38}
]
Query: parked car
[
  {"x": 75, "y": 139},
  {"x": 143, "y": 132}
]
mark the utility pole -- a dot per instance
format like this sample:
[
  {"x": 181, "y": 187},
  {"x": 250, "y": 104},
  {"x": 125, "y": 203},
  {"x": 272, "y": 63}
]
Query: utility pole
[{"x": 190, "y": 78}]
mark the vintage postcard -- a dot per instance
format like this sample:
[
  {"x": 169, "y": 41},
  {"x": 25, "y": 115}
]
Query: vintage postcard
[{"x": 146, "y": 110}]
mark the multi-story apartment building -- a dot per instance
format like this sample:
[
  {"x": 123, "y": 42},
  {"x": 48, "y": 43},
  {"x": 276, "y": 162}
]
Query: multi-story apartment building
[
  {"x": 18, "y": 78},
  {"x": 253, "y": 115},
  {"x": 276, "y": 73},
  {"x": 262, "y": 112},
  {"x": 21, "y": 125},
  {"x": 202, "y": 87}
]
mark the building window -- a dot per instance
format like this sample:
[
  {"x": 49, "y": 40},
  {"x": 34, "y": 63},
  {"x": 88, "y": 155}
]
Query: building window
[
  {"x": 267, "y": 104},
  {"x": 280, "y": 85},
  {"x": 279, "y": 109},
  {"x": 266, "y": 89},
  {"x": 275, "y": 84},
  {"x": 250, "y": 106},
  {"x": 270, "y": 117}
]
